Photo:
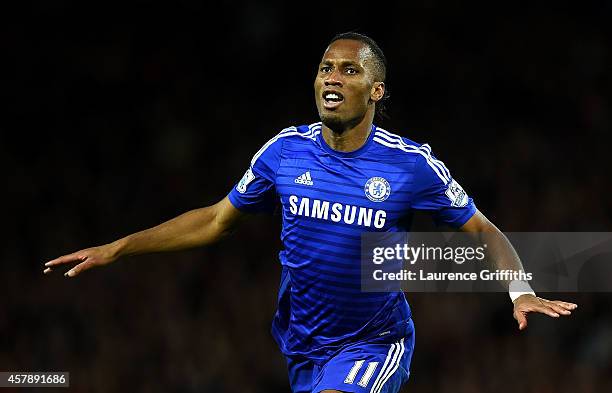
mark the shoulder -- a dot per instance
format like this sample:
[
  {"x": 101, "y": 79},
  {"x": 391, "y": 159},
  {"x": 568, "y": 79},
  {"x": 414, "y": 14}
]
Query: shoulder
[
  {"x": 307, "y": 132},
  {"x": 425, "y": 162},
  {"x": 395, "y": 141},
  {"x": 302, "y": 133}
]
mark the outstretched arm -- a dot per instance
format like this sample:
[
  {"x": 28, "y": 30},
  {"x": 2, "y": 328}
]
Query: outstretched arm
[
  {"x": 195, "y": 228},
  {"x": 502, "y": 255}
]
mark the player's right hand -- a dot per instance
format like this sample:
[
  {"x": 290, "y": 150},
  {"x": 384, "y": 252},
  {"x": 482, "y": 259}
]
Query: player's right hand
[{"x": 87, "y": 258}]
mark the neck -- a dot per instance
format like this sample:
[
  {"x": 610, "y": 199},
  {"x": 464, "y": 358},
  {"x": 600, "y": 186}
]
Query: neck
[{"x": 350, "y": 138}]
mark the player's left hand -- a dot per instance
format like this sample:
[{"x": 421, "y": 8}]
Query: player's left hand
[{"x": 525, "y": 304}]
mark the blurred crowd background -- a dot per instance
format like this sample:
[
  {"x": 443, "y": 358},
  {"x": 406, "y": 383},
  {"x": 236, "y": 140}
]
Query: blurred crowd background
[{"x": 116, "y": 118}]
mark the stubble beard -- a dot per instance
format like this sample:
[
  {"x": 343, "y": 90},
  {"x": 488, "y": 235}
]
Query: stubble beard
[
  {"x": 337, "y": 124},
  {"x": 333, "y": 122}
]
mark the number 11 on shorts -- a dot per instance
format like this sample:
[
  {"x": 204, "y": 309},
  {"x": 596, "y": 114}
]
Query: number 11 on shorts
[{"x": 365, "y": 378}]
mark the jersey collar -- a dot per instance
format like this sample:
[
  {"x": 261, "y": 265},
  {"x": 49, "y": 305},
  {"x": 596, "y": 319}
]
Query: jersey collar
[{"x": 347, "y": 154}]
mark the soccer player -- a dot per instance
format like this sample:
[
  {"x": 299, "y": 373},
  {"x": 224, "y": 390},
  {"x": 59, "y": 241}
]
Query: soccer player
[{"x": 334, "y": 180}]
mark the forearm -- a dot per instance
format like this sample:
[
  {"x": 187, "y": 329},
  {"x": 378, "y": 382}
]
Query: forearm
[
  {"x": 195, "y": 228},
  {"x": 500, "y": 254}
]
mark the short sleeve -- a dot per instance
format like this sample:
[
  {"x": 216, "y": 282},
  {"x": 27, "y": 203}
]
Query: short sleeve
[
  {"x": 437, "y": 192},
  {"x": 256, "y": 191}
]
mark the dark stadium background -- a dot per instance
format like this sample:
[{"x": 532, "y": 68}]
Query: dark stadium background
[{"x": 118, "y": 117}]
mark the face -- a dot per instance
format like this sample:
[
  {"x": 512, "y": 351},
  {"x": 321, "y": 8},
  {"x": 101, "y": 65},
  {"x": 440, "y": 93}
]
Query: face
[{"x": 346, "y": 88}]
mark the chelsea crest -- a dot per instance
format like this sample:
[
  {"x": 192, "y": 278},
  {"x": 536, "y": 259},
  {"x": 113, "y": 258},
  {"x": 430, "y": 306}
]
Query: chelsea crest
[{"x": 377, "y": 189}]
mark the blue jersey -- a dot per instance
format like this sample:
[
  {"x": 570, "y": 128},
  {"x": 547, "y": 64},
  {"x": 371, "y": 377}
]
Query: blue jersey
[{"x": 328, "y": 199}]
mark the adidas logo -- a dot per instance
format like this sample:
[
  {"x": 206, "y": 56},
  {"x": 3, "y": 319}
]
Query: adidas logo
[{"x": 304, "y": 179}]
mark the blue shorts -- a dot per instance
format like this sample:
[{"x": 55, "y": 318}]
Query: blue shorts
[{"x": 360, "y": 368}]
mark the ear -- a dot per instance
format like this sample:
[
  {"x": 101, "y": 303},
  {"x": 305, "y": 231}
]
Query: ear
[{"x": 378, "y": 91}]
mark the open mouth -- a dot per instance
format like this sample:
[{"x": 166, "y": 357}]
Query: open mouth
[{"x": 332, "y": 99}]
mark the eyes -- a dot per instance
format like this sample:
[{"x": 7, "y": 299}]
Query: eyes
[{"x": 349, "y": 70}]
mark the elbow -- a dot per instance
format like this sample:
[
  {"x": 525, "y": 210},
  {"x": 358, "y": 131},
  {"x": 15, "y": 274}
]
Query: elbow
[
  {"x": 222, "y": 227},
  {"x": 479, "y": 223}
]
